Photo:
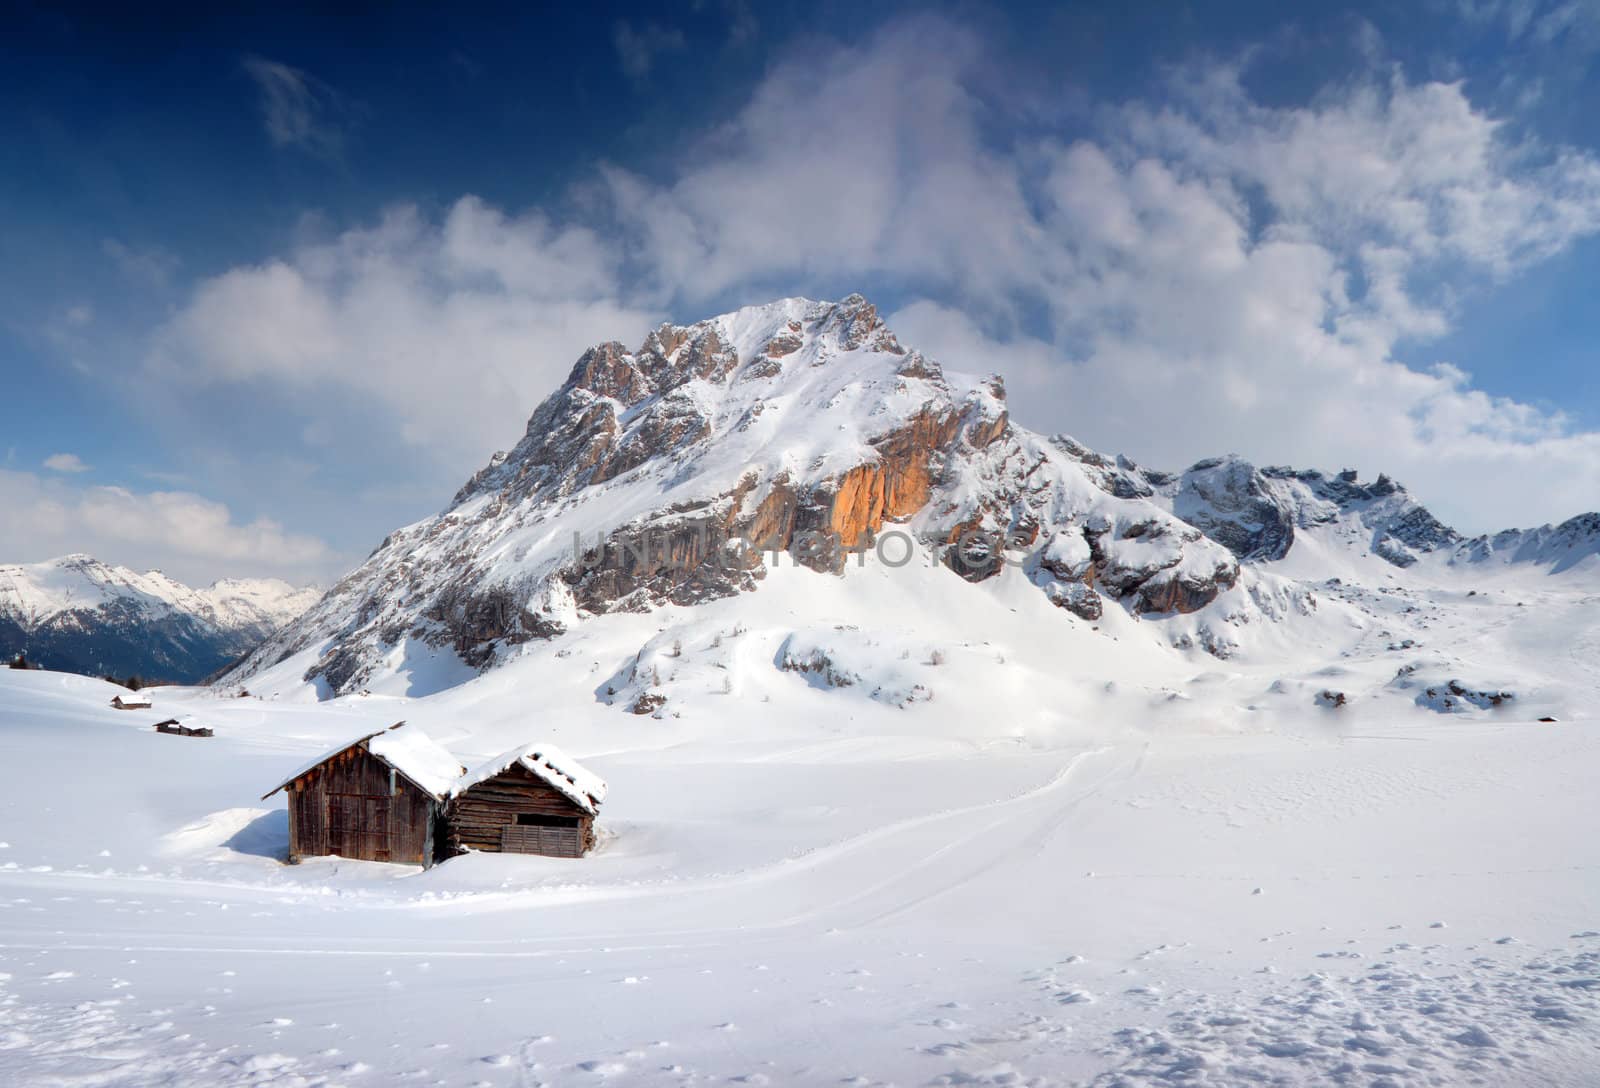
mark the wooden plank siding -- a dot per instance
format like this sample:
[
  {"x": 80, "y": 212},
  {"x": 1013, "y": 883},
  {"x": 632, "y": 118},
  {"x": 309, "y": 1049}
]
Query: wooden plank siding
[
  {"x": 484, "y": 817},
  {"x": 355, "y": 806}
]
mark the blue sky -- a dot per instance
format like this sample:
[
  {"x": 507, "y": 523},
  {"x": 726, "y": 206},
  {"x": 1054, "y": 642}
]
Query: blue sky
[{"x": 274, "y": 282}]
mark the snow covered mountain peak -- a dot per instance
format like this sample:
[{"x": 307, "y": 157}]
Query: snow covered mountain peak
[
  {"x": 677, "y": 471},
  {"x": 759, "y": 379}
]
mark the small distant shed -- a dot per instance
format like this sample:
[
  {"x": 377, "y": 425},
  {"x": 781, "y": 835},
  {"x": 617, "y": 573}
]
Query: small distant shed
[
  {"x": 185, "y": 728},
  {"x": 531, "y": 800},
  {"x": 130, "y": 702},
  {"x": 379, "y": 797}
]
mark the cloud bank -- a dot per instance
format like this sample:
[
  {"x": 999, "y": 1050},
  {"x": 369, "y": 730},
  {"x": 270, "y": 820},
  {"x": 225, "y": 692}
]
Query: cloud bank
[{"x": 185, "y": 534}]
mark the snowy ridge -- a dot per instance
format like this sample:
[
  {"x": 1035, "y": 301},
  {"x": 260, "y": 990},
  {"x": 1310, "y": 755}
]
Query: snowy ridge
[
  {"x": 1573, "y": 544},
  {"x": 40, "y": 592},
  {"x": 80, "y": 614},
  {"x": 1258, "y": 512}
]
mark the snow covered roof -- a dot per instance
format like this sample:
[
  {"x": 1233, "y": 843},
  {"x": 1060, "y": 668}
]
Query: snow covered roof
[
  {"x": 551, "y": 765},
  {"x": 410, "y": 751}
]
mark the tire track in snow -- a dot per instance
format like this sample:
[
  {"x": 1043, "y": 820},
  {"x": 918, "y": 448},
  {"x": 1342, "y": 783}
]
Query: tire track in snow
[{"x": 1048, "y": 824}]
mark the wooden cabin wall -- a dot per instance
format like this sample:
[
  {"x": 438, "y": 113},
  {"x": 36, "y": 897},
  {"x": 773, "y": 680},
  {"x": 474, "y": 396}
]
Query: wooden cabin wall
[
  {"x": 477, "y": 819},
  {"x": 345, "y": 806}
]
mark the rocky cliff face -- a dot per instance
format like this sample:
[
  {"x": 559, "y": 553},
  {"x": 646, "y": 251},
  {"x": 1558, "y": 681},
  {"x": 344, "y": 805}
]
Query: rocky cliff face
[
  {"x": 679, "y": 471},
  {"x": 77, "y": 614}
]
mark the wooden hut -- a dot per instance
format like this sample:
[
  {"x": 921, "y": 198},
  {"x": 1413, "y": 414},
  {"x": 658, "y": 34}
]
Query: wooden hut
[
  {"x": 130, "y": 702},
  {"x": 185, "y": 728},
  {"x": 377, "y": 798},
  {"x": 530, "y": 800}
]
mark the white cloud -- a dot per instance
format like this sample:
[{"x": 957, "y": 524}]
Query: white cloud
[
  {"x": 853, "y": 161},
  {"x": 458, "y": 328},
  {"x": 188, "y": 535},
  {"x": 65, "y": 462},
  {"x": 298, "y": 109},
  {"x": 639, "y": 46},
  {"x": 1414, "y": 168}
]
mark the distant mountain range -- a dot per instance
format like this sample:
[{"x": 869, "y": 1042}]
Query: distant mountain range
[
  {"x": 1256, "y": 512},
  {"x": 670, "y": 474},
  {"x": 77, "y": 614}
]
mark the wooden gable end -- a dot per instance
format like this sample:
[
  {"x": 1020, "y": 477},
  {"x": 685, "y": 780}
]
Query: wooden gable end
[
  {"x": 355, "y": 805},
  {"x": 516, "y": 811}
]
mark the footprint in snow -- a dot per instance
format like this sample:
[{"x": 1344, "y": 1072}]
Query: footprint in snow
[
  {"x": 1475, "y": 1036},
  {"x": 603, "y": 1068}
]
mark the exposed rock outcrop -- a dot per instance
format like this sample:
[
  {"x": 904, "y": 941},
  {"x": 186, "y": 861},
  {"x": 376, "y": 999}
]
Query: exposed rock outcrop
[{"x": 1238, "y": 507}]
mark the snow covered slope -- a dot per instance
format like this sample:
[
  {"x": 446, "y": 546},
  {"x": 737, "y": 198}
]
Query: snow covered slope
[
  {"x": 885, "y": 828},
  {"x": 78, "y": 614}
]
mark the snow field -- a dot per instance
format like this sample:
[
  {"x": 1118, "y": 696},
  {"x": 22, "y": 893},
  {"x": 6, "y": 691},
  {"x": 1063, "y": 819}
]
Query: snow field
[{"x": 1087, "y": 857}]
